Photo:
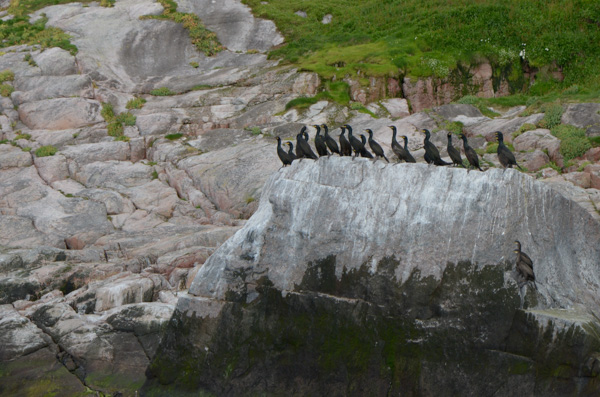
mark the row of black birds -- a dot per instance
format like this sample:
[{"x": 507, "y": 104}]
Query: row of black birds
[{"x": 327, "y": 145}]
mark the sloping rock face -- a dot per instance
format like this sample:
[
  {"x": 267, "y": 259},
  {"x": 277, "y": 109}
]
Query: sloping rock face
[{"x": 357, "y": 278}]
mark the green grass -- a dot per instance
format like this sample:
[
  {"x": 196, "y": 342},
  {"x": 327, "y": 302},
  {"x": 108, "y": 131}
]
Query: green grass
[
  {"x": 573, "y": 142},
  {"x": 46, "y": 151},
  {"x": 136, "y": 103},
  {"x": 204, "y": 40},
  {"x": 126, "y": 118},
  {"x": 18, "y": 30},
  {"x": 23, "y": 136},
  {"x": 115, "y": 129},
  {"x": 420, "y": 38},
  {"x": 479, "y": 103},
  {"x": 173, "y": 137},
  {"x": 162, "y": 91},
  {"x": 7, "y": 75},
  {"x": 6, "y": 90},
  {"x": 107, "y": 112},
  {"x": 335, "y": 91}
]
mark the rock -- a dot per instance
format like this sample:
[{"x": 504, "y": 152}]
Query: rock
[
  {"x": 18, "y": 336},
  {"x": 60, "y": 113},
  {"x": 540, "y": 139},
  {"x": 593, "y": 154},
  {"x": 155, "y": 124},
  {"x": 301, "y": 14},
  {"x": 594, "y": 171},
  {"x": 39, "y": 88},
  {"x": 115, "y": 203},
  {"x": 326, "y": 19},
  {"x": 19, "y": 231},
  {"x": 124, "y": 289},
  {"x": 397, "y": 107},
  {"x": 549, "y": 173},
  {"x": 93, "y": 152},
  {"x": 11, "y": 156},
  {"x": 306, "y": 84},
  {"x": 52, "y": 168},
  {"x": 56, "y": 62},
  {"x": 154, "y": 196},
  {"x": 220, "y": 138},
  {"x": 111, "y": 173},
  {"x": 533, "y": 161},
  {"x": 506, "y": 126},
  {"x": 581, "y": 179},
  {"x": 583, "y": 115},
  {"x": 450, "y": 112}
]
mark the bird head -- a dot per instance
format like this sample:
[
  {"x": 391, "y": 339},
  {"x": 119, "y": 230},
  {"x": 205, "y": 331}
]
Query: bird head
[
  {"x": 368, "y": 131},
  {"x": 499, "y": 136},
  {"x": 449, "y": 135},
  {"x": 278, "y": 139},
  {"x": 393, "y": 127},
  {"x": 303, "y": 129}
]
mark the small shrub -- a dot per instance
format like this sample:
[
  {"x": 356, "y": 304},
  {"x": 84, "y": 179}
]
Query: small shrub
[
  {"x": 173, "y": 137},
  {"x": 154, "y": 174},
  {"x": 469, "y": 100},
  {"x": 573, "y": 142},
  {"x": 252, "y": 51},
  {"x": 6, "y": 75},
  {"x": 46, "y": 151},
  {"x": 552, "y": 165},
  {"x": 254, "y": 130},
  {"x": 162, "y": 91},
  {"x": 122, "y": 138},
  {"x": 301, "y": 102},
  {"x": 115, "y": 129},
  {"x": 595, "y": 141},
  {"x": 491, "y": 148},
  {"x": 194, "y": 65},
  {"x": 126, "y": 118},
  {"x": 26, "y": 149},
  {"x": 107, "y": 3},
  {"x": 107, "y": 112},
  {"x": 6, "y": 90},
  {"x": 524, "y": 128},
  {"x": 29, "y": 59},
  {"x": 553, "y": 113},
  {"x": 23, "y": 136},
  {"x": 136, "y": 103}
]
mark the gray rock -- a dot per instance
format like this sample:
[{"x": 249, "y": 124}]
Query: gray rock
[
  {"x": 506, "y": 126},
  {"x": 220, "y": 138},
  {"x": 60, "y": 113},
  {"x": 11, "y": 156},
  {"x": 115, "y": 203},
  {"x": 326, "y": 19},
  {"x": 52, "y": 168},
  {"x": 583, "y": 115},
  {"x": 155, "y": 197},
  {"x": 56, "y": 62},
  {"x": 96, "y": 152},
  {"x": 124, "y": 289},
  {"x": 155, "y": 124},
  {"x": 450, "y": 112},
  {"x": 533, "y": 161},
  {"x": 540, "y": 139},
  {"x": 18, "y": 336},
  {"x": 37, "y": 88},
  {"x": 397, "y": 107},
  {"x": 301, "y": 14},
  {"x": 113, "y": 174}
]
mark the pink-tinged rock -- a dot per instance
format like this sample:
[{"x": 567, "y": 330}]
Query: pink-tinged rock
[
  {"x": 397, "y": 107},
  {"x": 80, "y": 240},
  {"x": 549, "y": 173},
  {"x": 581, "y": 179},
  {"x": 533, "y": 161},
  {"x": 154, "y": 196},
  {"x": 138, "y": 149},
  {"x": 594, "y": 171},
  {"x": 540, "y": 139},
  {"x": 52, "y": 168},
  {"x": 593, "y": 154},
  {"x": 60, "y": 113},
  {"x": 306, "y": 84}
]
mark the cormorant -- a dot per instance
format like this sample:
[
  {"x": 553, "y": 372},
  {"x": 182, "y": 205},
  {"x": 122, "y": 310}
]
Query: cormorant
[
  {"x": 291, "y": 151},
  {"x": 524, "y": 264},
  {"x": 470, "y": 153},
  {"x": 409, "y": 157},
  {"x": 453, "y": 152},
  {"x": 329, "y": 141},
  {"x": 303, "y": 149},
  {"x": 365, "y": 152},
  {"x": 283, "y": 155},
  {"x": 396, "y": 147},
  {"x": 346, "y": 148},
  {"x": 506, "y": 157},
  {"x": 375, "y": 147},
  {"x": 356, "y": 144},
  {"x": 320, "y": 143},
  {"x": 432, "y": 154}
]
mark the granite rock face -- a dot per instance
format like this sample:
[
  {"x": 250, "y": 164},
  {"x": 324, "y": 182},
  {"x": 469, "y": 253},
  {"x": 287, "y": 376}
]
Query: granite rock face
[{"x": 365, "y": 276}]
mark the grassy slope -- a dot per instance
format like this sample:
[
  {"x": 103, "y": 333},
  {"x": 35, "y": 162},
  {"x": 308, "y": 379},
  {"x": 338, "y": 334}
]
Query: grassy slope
[{"x": 430, "y": 37}]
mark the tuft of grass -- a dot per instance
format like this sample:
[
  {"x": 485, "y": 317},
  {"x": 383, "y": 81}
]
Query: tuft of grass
[
  {"x": 136, "y": 103},
  {"x": 195, "y": 65},
  {"x": 335, "y": 91},
  {"x": 552, "y": 115},
  {"x": 162, "y": 91},
  {"x": 204, "y": 40},
  {"x": 573, "y": 141},
  {"x": 29, "y": 59},
  {"x": 254, "y": 130},
  {"x": 26, "y": 149},
  {"x": 23, "y": 136},
  {"x": 361, "y": 109},
  {"x": 107, "y": 3},
  {"x": 479, "y": 103},
  {"x": 154, "y": 174},
  {"x": 46, "y": 151},
  {"x": 6, "y": 90},
  {"x": 18, "y": 30},
  {"x": 552, "y": 165},
  {"x": 126, "y": 118},
  {"x": 524, "y": 128},
  {"x": 107, "y": 112},
  {"x": 7, "y": 75},
  {"x": 115, "y": 129},
  {"x": 173, "y": 137},
  {"x": 492, "y": 147}
]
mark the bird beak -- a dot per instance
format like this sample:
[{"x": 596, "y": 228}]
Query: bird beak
[{"x": 516, "y": 251}]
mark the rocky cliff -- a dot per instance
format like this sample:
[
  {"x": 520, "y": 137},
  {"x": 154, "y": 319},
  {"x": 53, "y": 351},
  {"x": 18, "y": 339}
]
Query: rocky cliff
[{"x": 357, "y": 277}]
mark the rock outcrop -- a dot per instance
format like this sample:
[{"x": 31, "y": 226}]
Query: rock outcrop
[{"x": 365, "y": 277}]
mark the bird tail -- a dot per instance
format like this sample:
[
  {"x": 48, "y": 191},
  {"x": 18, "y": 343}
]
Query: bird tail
[
  {"x": 386, "y": 159},
  {"x": 520, "y": 168}
]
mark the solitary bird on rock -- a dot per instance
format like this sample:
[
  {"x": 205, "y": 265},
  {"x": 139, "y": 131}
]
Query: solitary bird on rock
[
  {"x": 470, "y": 153},
  {"x": 329, "y": 141},
  {"x": 432, "y": 154},
  {"x": 453, "y": 152},
  {"x": 283, "y": 155},
  {"x": 375, "y": 147},
  {"x": 524, "y": 264},
  {"x": 345, "y": 147},
  {"x": 506, "y": 157}
]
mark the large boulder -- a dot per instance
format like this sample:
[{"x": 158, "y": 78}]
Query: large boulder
[
  {"x": 583, "y": 115},
  {"x": 360, "y": 276}
]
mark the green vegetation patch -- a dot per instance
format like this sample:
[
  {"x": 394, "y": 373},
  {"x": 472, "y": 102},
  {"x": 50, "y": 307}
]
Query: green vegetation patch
[
  {"x": 6, "y": 90},
  {"x": 204, "y": 40},
  {"x": 173, "y": 137},
  {"x": 335, "y": 91},
  {"x": 552, "y": 115},
  {"x": 162, "y": 91},
  {"x": 18, "y": 30},
  {"x": 127, "y": 119},
  {"x": 7, "y": 75},
  {"x": 136, "y": 103},
  {"x": 115, "y": 122},
  {"x": 479, "y": 103},
  {"x": 46, "y": 151},
  {"x": 573, "y": 142}
]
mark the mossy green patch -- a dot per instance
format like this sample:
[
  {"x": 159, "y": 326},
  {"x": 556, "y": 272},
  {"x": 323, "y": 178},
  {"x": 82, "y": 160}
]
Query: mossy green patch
[{"x": 46, "y": 151}]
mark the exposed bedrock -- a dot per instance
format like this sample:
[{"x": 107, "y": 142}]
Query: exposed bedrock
[{"x": 357, "y": 278}]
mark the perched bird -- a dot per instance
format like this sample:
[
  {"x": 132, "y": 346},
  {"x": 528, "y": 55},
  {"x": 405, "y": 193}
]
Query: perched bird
[
  {"x": 320, "y": 143},
  {"x": 291, "y": 151},
  {"x": 365, "y": 152},
  {"x": 432, "y": 154},
  {"x": 470, "y": 153},
  {"x": 356, "y": 144},
  {"x": 329, "y": 141},
  {"x": 396, "y": 147},
  {"x": 303, "y": 149},
  {"x": 375, "y": 147},
  {"x": 283, "y": 155},
  {"x": 506, "y": 157},
  {"x": 409, "y": 157},
  {"x": 345, "y": 147},
  {"x": 453, "y": 152},
  {"x": 524, "y": 264}
]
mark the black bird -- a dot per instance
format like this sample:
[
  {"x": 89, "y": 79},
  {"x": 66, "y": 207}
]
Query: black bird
[
  {"x": 291, "y": 151},
  {"x": 345, "y": 147},
  {"x": 506, "y": 157},
  {"x": 453, "y": 152},
  {"x": 303, "y": 149},
  {"x": 375, "y": 147},
  {"x": 524, "y": 264},
  {"x": 283, "y": 155},
  {"x": 356, "y": 144},
  {"x": 470, "y": 153},
  {"x": 396, "y": 147},
  {"x": 365, "y": 152},
  {"x": 329, "y": 141},
  {"x": 320, "y": 143},
  {"x": 432, "y": 154},
  {"x": 409, "y": 157}
]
